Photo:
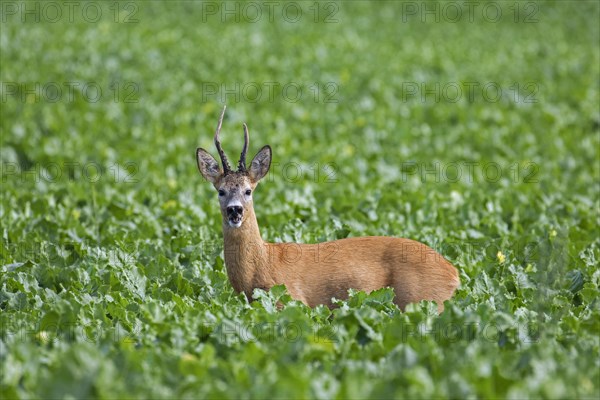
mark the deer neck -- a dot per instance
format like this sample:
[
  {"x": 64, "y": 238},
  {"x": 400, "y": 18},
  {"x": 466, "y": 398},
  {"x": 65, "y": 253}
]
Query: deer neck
[{"x": 246, "y": 255}]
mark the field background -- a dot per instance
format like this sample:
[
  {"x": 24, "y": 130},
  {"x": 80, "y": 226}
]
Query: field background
[{"x": 112, "y": 280}]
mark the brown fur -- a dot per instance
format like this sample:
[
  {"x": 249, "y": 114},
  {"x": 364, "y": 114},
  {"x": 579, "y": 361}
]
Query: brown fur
[{"x": 314, "y": 273}]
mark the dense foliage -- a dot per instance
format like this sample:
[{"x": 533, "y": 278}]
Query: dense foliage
[{"x": 478, "y": 136}]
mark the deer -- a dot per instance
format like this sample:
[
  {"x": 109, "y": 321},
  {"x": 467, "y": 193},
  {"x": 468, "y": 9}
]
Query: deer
[{"x": 320, "y": 273}]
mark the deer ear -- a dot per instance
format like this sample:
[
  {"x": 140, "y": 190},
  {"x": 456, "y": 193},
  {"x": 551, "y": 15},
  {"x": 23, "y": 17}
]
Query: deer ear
[
  {"x": 208, "y": 166},
  {"x": 260, "y": 164}
]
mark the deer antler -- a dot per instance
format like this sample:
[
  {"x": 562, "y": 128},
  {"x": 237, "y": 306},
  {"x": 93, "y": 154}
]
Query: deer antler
[
  {"x": 242, "y": 162},
  {"x": 226, "y": 166}
]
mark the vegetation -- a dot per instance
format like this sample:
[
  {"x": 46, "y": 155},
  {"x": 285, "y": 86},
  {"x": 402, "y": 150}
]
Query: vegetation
[{"x": 475, "y": 133}]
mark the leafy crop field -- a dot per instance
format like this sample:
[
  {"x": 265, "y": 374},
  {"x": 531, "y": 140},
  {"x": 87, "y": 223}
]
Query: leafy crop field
[{"x": 473, "y": 130}]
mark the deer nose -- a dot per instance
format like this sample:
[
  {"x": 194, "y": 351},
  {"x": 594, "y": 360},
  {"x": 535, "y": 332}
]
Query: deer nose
[{"x": 234, "y": 210}]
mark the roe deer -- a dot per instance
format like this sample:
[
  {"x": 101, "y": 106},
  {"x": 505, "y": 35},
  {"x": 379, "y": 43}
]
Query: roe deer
[{"x": 314, "y": 273}]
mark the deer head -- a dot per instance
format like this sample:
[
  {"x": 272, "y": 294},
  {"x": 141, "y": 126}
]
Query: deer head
[{"x": 234, "y": 187}]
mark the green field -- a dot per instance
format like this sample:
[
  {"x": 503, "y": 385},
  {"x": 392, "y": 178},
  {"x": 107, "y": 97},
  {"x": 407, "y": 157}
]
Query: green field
[{"x": 473, "y": 129}]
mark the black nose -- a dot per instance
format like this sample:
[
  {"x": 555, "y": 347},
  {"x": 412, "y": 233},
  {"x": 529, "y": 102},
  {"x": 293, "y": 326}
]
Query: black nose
[{"x": 234, "y": 210}]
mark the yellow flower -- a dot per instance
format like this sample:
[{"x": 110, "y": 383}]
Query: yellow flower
[
  {"x": 501, "y": 257},
  {"x": 553, "y": 233},
  {"x": 43, "y": 337},
  {"x": 169, "y": 204},
  {"x": 187, "y": 357},
  {"x": 529, "y": 268}
]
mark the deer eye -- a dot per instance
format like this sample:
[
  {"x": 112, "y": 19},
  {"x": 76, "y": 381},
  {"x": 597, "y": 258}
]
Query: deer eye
[
  {"x": 221, "y": 193},
  {"x": 248, "y": 192}
]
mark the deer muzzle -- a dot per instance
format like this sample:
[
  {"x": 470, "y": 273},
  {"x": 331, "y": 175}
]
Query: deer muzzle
[{"x": 235, "y": 215}]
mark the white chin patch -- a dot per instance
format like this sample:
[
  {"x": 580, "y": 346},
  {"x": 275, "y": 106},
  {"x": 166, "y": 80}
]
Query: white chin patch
[{"x": 234, "y": 224}]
